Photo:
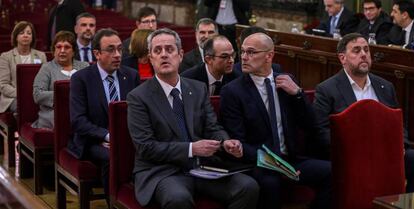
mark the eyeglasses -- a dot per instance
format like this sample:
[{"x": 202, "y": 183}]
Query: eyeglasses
[
  {"x": 370, "y": 9},
  {"x": 112, "y": 50},
  {"x": 251, "y": 52},
  {"x": 148, "y": 22},
  {"x": 226, "y": 56},
  {"x": 63, "y": 46}
]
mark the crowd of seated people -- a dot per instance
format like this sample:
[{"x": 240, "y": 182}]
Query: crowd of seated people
[{"x": 170, "y": 118}]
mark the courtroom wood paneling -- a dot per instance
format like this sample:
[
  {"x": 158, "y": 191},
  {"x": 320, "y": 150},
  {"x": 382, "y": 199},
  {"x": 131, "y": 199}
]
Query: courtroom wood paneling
[{"x": 312, "y": 59}]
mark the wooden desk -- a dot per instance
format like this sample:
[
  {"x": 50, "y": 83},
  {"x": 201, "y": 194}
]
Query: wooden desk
[
  {"x": 312, "y": 59},
  {"x": 402, "y": 201}
]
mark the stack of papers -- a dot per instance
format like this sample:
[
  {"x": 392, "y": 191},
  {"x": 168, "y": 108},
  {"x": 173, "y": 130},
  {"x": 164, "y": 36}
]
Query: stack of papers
[{"x": 268, "y": 159}]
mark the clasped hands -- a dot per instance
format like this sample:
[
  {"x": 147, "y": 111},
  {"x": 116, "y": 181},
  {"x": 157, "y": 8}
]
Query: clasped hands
[{"x": 207, "y": 147}]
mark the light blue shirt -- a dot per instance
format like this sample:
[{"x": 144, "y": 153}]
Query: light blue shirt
[
  {"x": 105, "y": 83},
  {"x": 81, "y": 52}
]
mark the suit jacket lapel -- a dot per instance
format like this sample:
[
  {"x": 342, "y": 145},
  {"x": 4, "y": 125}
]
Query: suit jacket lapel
[
  {"x": 100, "y": 87},
  {"x": 379, "y": 91},
  {"x": 164, "y": 107},
  {"x": 123, "y": 83},
  {"x": 345, "y": 88},
  {"x": 255, "y": 95},
  {"x": 188, "y": 100},
  {"x": 203, "y": 75}
]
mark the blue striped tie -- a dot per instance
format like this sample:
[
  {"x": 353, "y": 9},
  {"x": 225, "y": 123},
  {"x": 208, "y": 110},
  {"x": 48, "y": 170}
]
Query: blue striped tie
[
  {"x": 113, "y": 94},
  {"x": 178, "y": 109}
]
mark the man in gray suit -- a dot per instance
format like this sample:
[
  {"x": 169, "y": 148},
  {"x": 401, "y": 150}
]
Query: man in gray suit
[
  {"x": 171, "y": 122},
  {"x": 352, "y": 84}
]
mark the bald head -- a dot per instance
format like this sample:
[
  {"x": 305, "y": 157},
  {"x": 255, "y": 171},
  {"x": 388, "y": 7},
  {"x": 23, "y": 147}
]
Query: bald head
[
  {"x": 262, "y": 39},
  {"x": 257, "y": 53}
]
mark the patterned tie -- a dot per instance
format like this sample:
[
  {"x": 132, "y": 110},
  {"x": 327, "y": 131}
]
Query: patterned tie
[
  {"x": 333, "y": 25},
  {"x": 178, "y": 109},
  {"x": 113, "y": 94},
  {"x": 85, "y": 54},
  {"x": 272, "y": 116},
  {"x": 217, "y": 88}
]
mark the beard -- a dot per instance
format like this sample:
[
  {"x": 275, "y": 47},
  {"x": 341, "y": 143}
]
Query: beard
[{"x": 360, "y": 71}]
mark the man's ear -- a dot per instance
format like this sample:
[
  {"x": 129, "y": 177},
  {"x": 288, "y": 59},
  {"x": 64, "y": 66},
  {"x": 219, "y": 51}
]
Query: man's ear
[{"x": 341, "y": 57}]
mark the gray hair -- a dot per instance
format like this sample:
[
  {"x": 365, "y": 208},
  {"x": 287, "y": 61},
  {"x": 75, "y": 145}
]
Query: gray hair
[
  {"x": 207, "y": 21},
  {"x": 167, "y": 32}
]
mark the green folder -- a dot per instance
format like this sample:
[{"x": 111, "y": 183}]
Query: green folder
[{"x": 268, "y": 159}]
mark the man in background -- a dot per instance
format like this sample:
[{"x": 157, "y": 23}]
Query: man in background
[{"x": 85, "y": 30}]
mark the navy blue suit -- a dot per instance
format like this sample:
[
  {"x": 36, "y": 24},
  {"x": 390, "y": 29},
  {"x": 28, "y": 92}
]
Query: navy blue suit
[
  {"x": 89, "y": 113},
  {"x": 245, "y": 117}
]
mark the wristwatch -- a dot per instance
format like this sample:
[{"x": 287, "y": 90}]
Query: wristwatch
[{"x": 299, "y": 93}]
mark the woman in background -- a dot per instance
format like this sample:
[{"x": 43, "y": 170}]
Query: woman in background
[
  {"x": 62, "y": 67},
  {"x": 23, "y": 40},
  {"x": 138, "y": 49}
]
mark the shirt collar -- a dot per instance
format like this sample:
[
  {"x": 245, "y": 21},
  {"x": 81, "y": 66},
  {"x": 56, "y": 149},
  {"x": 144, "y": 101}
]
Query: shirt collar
[
  {"x": 80, "y": 46},
  {"x": 259, "y": 80},
  {"x": 409, "y": 26},
  {"x": 167, "y": 88},
  {"x": 339, "y": 13},
  {"x": 104, "y": 74},
  {"x": 353, "y": 83},
  {"x": 210, "y": 77}
]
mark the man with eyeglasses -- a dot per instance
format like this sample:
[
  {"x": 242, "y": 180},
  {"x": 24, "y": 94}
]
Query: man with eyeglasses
[
  {"x": 266, "y": 107},
  {"x": 376, "y": 21},
  {"x": 402, "y": 33},
  {"x": 90, "y": 93},
  {"x": 146, "y": 19},
  {"x": 217, "y": 69},
  {"x": 205, "y": 28},
  {"x": 172, "y": 124}
]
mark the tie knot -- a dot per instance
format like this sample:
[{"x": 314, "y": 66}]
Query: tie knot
[
  {"x": 110, "y": 78},
  {"x": 175, "y": 93},
  {"x": 217, "y": 83},
  {"x": 267, "y": 81},
  {"x": 85, "y": 48}
]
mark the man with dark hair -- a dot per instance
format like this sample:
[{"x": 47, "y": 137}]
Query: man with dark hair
[
  {"x": 265, "y": 107},
  {"x": 376, "y": 21},
  {"x": 204, "y": 29},
  {"x": 85, "y": 30},
  {"x": 146, "y": 19},
  {"x": 340, "y": 18},
  {"x": 353, "y": 83},
  {"x": 172, "y": 123},
  {"x": 402, "y": 33},
  {"x": 217, "y": 68},
  {"x": 63, "y": 17},
  {"x": 91, "y": 90}
]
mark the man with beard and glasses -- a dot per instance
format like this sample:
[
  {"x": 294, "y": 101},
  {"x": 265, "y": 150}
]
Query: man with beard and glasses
[
  {"x": 205, "y": 29},
  {"x": 85, "y": 30},
  {"x": 352, "y": 84}
]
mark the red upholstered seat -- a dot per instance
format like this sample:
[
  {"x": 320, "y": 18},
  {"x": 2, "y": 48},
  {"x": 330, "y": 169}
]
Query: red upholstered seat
[
  {"x": 367, "y": 154},
  {"x": 79, "y": 176},
  {"x": 215, "y": 102},
  {"x": 35, "y": 144},
  {"x": 8, "y": 125},
  {"x": 122, "y": 154}
]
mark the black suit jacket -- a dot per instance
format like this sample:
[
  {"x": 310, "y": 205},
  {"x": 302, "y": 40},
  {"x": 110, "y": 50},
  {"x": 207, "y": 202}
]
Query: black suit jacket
[
  {"x": 125, "y": 48},
  {"x": 65, "y": 17},
  {"x": 381, "y": 28},
  {"x": 244, "y": 116},
  {"x": 161, "y": 149},
  {"x": 396, "y": 36},
  {"x": 190, "y": 59},
  {"x": 335, "y": 94},
  {"x": 240, "y": 7},
  {"x": 347, "y": 23},
  {"x": 89, "y": 107},
  {"x": 199, "y": 73}
]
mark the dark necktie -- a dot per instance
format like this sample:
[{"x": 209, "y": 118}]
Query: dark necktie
[
  {"x": 369, "y": 28},
  {"x": 113, "y": 94},
  {"x": 178, "y": 109},
  {"x": 85, "y": 54},
  {"x": 217, "y": 87},
  {"x": 272, "y": 116}
]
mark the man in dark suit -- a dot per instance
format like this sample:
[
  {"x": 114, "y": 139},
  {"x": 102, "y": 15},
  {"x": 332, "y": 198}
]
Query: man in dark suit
[
  {"x": 85, "y": 30},
  {"x": 217, "y": 70},
  {"x": 352, "y": 84},
  {"x": 90, "y": 93},
  {"x": 228, "y": 13},
  {"x": 146, "y": 19},
  {"x": 402, "y": 33},
  {"x": 266, "y": 107},
  {"x": 205, "y": 29},
  {"x": 63, "y": 17},
  {"x": 172, "y": 123},
  {"x": 376, "y": 21},
  {"x": 340, "y": 18}
]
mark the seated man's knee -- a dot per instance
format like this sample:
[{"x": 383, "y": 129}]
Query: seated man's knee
[{"x": 179, "y": 199}]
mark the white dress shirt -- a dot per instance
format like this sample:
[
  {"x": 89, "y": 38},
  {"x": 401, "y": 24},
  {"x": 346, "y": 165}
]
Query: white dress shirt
[{"x": 367, "y": 92}]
